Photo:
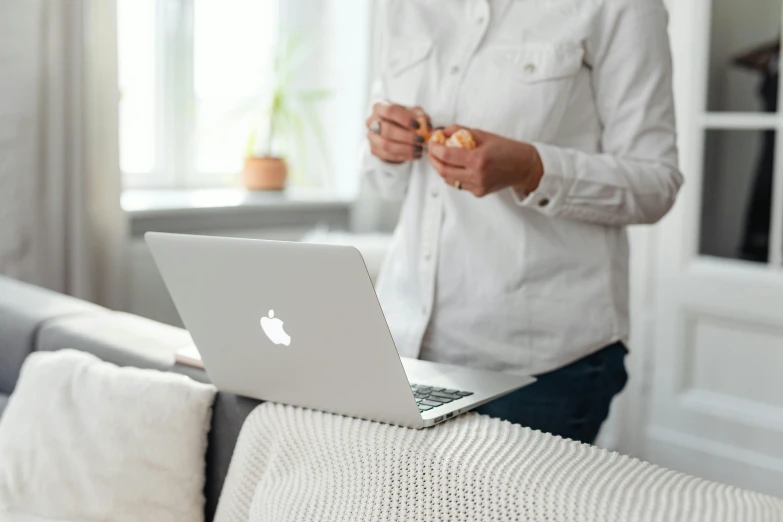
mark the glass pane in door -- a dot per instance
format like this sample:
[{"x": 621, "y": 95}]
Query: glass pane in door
[
  {"x": 737, "y": 194},
  {"x": 744, "y": 46}
]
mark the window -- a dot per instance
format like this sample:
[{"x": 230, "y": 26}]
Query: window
[{"x": 189, "y": 70}]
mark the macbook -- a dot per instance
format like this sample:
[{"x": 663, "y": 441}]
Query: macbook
[{"x": 300, "y": 324}]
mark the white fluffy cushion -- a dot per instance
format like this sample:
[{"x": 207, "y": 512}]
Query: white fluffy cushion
[{"x": 82, "y": 439}]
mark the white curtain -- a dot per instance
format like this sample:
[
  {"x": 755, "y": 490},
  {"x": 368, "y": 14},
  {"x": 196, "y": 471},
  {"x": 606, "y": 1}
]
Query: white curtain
[{"x": 62, "y": 224}]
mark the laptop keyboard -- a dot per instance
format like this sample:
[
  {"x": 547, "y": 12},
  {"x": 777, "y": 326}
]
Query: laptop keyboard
[{"x": 428, "y": 397}]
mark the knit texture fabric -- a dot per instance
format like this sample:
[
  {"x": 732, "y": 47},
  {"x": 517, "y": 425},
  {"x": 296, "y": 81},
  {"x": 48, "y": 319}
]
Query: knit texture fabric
[{"x": 292, "y": 464}]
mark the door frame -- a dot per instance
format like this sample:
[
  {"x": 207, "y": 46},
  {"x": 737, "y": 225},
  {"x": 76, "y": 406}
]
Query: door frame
[{"x": 679, "y": 290}]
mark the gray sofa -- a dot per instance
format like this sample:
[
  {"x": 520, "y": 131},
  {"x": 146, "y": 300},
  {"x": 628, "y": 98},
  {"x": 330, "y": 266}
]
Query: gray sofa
[
  {"x": 35, "y": 319},
  {"x": 32, "y": 319}
]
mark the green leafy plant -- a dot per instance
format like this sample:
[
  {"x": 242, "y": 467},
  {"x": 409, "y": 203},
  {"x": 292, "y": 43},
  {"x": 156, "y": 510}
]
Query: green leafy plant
[{"x": 285, "y": 120}]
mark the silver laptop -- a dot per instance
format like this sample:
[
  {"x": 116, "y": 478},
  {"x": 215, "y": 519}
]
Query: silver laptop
[{"x": 300, "y": 324}]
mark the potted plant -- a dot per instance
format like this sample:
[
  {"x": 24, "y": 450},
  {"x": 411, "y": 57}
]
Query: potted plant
[{"x": 286, "y": 115}]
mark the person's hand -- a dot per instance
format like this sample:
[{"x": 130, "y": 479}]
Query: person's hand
[
  {"x": 396, "y": 140},
  {"x": 495, "y": 163}
]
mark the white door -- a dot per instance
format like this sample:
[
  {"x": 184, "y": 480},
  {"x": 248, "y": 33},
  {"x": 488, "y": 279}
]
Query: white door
[{"x": 716, "y": 395}]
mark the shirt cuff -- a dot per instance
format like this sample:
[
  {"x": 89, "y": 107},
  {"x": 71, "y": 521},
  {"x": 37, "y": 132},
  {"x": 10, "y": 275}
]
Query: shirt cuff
[{"x": 550, "y": 195}]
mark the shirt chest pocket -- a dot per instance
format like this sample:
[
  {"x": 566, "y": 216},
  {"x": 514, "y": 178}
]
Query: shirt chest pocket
[
  {"x": 406, "y": 69},
  {"x": 539, "y": 62},
  {"x": 530, "y": 88}
]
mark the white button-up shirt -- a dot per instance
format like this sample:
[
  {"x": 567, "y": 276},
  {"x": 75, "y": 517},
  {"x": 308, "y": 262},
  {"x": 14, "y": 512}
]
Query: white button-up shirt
[{"x": 514, "y": 282}]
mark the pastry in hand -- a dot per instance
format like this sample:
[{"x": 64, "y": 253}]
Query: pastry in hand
[
  {"x": 424, "y": 129},
  {"x": 462, "y": 139},
  {"x": 438, "y": 137}
]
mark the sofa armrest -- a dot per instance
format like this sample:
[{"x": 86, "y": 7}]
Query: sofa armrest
[
  {"x": 117, "y": 337},
  {"x": 24, "y": 309}
]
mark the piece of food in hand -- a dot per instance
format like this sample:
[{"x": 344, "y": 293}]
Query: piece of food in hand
[
  {"x": 462, "y": 139},
  {"x": 424, "y": 129},
  {"x": 438, "y": 137}
]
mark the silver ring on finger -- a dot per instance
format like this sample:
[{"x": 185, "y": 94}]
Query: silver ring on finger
[{"x": 375, "y": 127}]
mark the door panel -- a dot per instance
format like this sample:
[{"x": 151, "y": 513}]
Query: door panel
[
  {"x": 716, "y": 391},
  {"x": 717, "y": 400}
]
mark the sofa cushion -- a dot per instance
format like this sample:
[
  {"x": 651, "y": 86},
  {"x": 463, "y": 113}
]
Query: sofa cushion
[
  {"x": 129, "y": 340},
  {"x": 116, "y": 337},
  {"x": 23, "y": 309},
  {"x": 83, "y": 439}
]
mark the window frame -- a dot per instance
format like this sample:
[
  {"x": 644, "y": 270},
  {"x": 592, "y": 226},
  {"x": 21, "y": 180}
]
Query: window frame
[{"x": 174, "y": 149}]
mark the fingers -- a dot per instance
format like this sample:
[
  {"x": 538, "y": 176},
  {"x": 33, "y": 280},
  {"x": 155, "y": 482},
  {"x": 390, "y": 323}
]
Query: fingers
[
  {"x": 469, "y": 177},
  {"x": 466, "y": 186},
  {"x": 448, "y": 171},
  {"x": 451, "y": 155},
  {"x": 422, "y": 117},
  {"x": 393, "y": 151},
  {"x": 397, "y": 134},
  {"x": 397, "y": 114},
  {"x": 397, "y": 141}
]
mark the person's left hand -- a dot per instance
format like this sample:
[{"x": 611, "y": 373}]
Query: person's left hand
[{"x": 495, "y": 163}]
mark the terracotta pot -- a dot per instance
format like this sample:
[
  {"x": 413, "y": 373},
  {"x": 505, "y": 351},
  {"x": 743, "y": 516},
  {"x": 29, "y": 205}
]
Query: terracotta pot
[{"x": 264, "y": 173}]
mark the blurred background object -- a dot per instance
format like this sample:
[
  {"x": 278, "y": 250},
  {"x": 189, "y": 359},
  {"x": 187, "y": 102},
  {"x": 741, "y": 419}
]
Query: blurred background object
[{"x": 284, "y": 119}]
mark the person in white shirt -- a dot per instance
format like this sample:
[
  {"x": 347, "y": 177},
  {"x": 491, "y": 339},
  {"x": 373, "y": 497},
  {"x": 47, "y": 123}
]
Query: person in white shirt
[{"x": 514, "y": 256}]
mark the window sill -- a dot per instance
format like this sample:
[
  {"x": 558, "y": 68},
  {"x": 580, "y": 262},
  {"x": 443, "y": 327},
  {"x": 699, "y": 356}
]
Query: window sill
[{"x": 224, "y": 209}]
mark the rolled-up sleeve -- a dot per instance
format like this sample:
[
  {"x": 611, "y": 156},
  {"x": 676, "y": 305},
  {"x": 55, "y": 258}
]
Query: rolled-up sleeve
[{"x": 634, "y": 179}]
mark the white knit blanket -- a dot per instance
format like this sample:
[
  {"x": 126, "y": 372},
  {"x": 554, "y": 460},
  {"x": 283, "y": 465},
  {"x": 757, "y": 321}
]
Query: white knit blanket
[{"x": 292, "y": 464}]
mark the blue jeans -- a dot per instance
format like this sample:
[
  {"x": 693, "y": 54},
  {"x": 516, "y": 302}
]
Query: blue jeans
[{"x": 572, "y": 401}]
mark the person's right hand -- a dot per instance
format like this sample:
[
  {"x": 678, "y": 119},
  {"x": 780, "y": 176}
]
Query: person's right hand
[{"x": 397, "y": 141}]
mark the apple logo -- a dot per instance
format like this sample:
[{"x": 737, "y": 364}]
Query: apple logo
[{"x": 273, "y": 328}]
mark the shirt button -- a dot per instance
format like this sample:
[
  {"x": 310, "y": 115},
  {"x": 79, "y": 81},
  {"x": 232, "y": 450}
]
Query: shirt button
[
  {"x": 427, "y": 254},
  {"x": 543, "y": 202},
  {"x": 423, "y": 310},
  {"x": 530, "y": 68},
  {"x": 480, "y": 20},
  {"x": 455, "y": 69},
  {"x": 434, "y": 193}
]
